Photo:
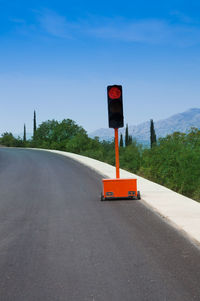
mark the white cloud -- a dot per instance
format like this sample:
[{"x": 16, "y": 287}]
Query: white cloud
[
  {"x": 149, "y": 31},
  {"x": 56, "y": 25},
  {"x": 146, "y": 31}
]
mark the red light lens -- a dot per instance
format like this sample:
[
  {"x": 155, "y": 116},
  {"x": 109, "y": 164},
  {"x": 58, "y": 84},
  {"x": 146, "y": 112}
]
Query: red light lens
[{"x": 114, "y": 93}]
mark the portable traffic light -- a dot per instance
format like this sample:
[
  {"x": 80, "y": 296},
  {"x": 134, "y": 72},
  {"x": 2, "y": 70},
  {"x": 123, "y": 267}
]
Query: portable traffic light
[
  {"x": 117, "y": 189},
  {"x": 115, "y": 107}
]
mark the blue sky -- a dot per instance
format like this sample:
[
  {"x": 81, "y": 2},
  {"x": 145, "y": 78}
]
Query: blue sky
[{"x": 57, "y": 57}]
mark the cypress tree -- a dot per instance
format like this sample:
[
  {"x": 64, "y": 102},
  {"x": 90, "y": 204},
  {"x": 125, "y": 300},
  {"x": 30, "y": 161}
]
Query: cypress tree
[
  {"x": 121, "y": 143},
  {"x": 126, "y": 136},
  {"x": 152, "y": 134},
  {"x": 34, "y": 124},
  {"x": 24, "y": 137},
  {"x": 130, "y": 140}
]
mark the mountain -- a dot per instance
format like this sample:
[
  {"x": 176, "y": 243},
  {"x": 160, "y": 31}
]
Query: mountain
[{"x": 181, "y": 122}]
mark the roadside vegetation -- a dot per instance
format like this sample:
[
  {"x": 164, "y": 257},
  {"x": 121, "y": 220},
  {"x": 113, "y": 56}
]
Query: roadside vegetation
[{"x": 173, "y": 161}]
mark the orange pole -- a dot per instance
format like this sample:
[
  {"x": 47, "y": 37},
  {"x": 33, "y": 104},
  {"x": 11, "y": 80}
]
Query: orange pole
[{"x": 117, "y": 153}]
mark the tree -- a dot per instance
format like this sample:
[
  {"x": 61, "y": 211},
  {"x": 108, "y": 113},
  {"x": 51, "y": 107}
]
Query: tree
[
  {"x": 121, "y": 143},
  {"x": 152, "y": 134},
  {"x": 128, "y": 138},
  {"x": 34, "y": 124},
  {"x": 126, "y": 135},
  {"x": 174, "y": 163},
  {"x": 54, "y": 134},
  {"x": 24, "y": 137},
  {"x": 8, "y": 139},
  {"x": 131, "y": 156}
]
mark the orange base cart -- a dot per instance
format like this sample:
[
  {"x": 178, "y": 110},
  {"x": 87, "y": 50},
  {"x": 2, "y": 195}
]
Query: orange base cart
[{"x": 119, "y": 189}]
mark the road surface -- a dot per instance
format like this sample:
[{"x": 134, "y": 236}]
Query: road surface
[{"x": 59, "y": 242}]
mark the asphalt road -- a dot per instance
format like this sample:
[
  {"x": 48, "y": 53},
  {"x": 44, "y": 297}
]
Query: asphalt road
[{"x": 59, "y": 242}]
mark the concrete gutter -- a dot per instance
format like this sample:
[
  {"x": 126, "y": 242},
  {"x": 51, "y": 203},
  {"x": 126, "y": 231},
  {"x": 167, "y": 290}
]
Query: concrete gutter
[{"x": 180, "y": 211}]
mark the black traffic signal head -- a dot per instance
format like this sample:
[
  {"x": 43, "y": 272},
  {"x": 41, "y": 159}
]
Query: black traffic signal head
[{"x": 115, "y": 107}]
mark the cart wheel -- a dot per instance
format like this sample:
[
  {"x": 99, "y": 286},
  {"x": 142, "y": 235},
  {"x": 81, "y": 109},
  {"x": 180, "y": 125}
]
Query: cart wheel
[
  {"x": 102, "y": 197},
  {"x": 138, "y": 195}
]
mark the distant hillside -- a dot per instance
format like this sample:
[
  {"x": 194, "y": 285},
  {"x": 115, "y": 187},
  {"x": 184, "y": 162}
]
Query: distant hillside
[{"x": 181, "y": 122}]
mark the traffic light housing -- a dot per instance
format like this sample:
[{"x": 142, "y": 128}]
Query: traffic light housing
[{"x": 115, "y": 106}]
